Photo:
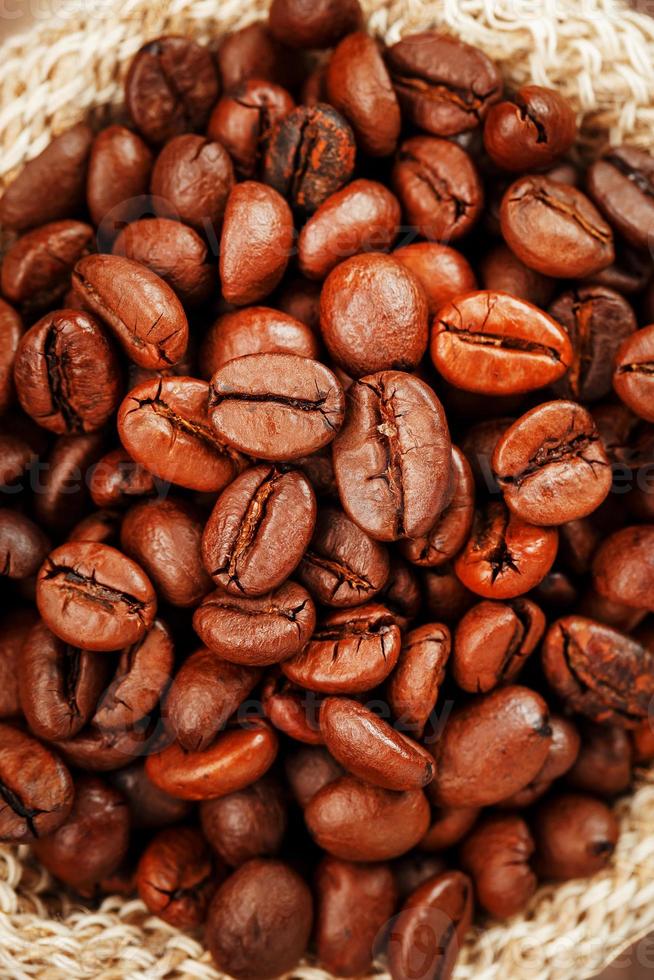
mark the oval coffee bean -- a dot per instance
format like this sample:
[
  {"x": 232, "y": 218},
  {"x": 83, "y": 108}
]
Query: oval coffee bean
[
  {"x": 175, "y": 877},
  {"x": 62, "y": 492},
  {"x": 118, "y": 179},
  {"x": 414, "y": 685},
  {"x": 496, "y": 344},
  {"x": 91, "y": 594},
  {"x": 247, "y": 824},
  {"x": 308, "y": 768},
  {"x": 246, "y": 546},
  {"x": 11, "y": 330},
  {"x": 191, "y": 181},
  {"x": 97, "y": 750},
  {"x": 492, "y": 642},
  {"x": 276, "y": 406},
  {"x": 575, "y": 836},
  {"x": 563, "y": 751},
  {"x": 241, "y": 121},
  {"x": 35, "y": 787},
  {"x": 442, "y": 272},
  {"x": 36, "y": 270},
  {"x": 503, "y": 272},
  {"x": 370, "y": 748},
  {"x": 254, "y": 330},
  {"x": 23, "y": 545},
  {"x": 15, "y": 627},
  {"x": 139, "y": 308},
  {"x": 259, "y": 631},
  {"x": 355, "y": 821},
  {"x": 623, "y": 567},
  {"x": 634, "y": 370},
  {"x": 496, "y": 855},
  {"x": 449, "y": 826},
  {"x": 320, "y": 27},
  {"x": 532, "y": 131},
  {"x": 604, "y": 761},
  {"x": 491, "y": 748},
  {"x": 622, "y": 184},
  {"x": 116, "y": 480}
]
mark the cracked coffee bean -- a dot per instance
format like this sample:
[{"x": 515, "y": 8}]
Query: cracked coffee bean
[
  {"x": 176, "y": 877},
  {"x": 36, "y": 270},
  {"x": 415, "y": 684},
  {"x": 633, "y": 378},
  {"x": 497, "y": 855},
  {"x": 532, "y": 131},
  {"x": 242, "y": 120},
  {"x": 621, "y": 184},
  {"x": 191, "y": 181}
]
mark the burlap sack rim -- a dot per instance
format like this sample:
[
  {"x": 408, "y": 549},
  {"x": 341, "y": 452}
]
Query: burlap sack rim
[{"x": 601, "y": 55}]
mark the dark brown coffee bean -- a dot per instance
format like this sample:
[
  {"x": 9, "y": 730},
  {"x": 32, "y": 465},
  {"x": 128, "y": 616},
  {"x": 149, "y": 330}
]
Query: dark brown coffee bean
[
  {"x": 622, "y": 184},
  {"x": 259, "y": 631},
  {"x": 575, "y": 836},
  {"x": 172, "y": 250},
  {"x": 354, "y": 904},
  {"x": 91, "y": 594},
  {"x": 67, "y": 373},
  {"x": 643, "y": 742},
  {"x": 491, "y": 748},
  {"x": 355, "y": 821},
  {"x": 204, "y": 695},
  {"x": 15, "y": 457},
  {"x": 402, "y": 594},
  {"x": 532, "y": 131},
  {"x": 164, "y": 426},
  {"x": 246, "y": 546},
  {"x": 623, "y": 567},
  {"x": 563, "y": 751},
  {"x": 276, "y": 406},
  {"x": 191, "y": 181},
  {"x": 247, "y": 824},
  {"x": 310, "y": 156},
  {"x": 291, "y": 709},
  {"x": 308, "y": 768},
  {"x": 170, "y": 87},
  {"x": 15, "y": 626},
  {"x": 118, "y": 179},
  {"x": 392, "y": 459},
  {"x": 351, "y": 651},
  {"x": 415, "y": 683},
  {"x": 252, "y": 52},
  {"x": 29, "y": 200},
  {"x": 62, "y": 487},
  {"x": 446, "y": 598},
  {"x": 149, "y": 807},
  {"x": 603, "y": 765},
  {"x": 97, "y": 750},
  {"x": 555, "y": 229},
  {"x": 449, "y": 825},
  {"x": 175, "y": 877},
  {"x": 242, "y": 120},
  {"x": 598, "y": 671},
  {"x": 36, "y": 788},
  {"x": 503, "y": 272},
  {"x": 496, "y": 855},
  {"x": 255, "y": 244},
  {"x": 36, "y": 270},
  {"x": 116, "y": 480},
  {"x": 443, "y": 85},
  {"x": 413, "y": 870},
  {"x": 320, "y": 26},
  {"x": 300, "y": 298},
  {"x": 11, "y": 330},
  {"x": 442, "y": 272},
  {"x": 138, "y": 307},
  {"x": 495, "y": 344},
  {"x": 492, "y": 642},
  {"x": 429, "y": 931},
  {"x": 23, "y": 545},
  {"x": 254, "y": 330},
  {"x": 102, "y": 526},
  {"x": 283, "y": 926},
  {"x": 632, "y": 379},
  {"x": 237, "y": 757}
]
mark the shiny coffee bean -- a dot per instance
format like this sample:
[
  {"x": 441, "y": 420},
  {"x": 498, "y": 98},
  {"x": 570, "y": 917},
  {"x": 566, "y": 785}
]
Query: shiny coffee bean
[
  {"x": 11, "y": 330},
  {"x": 320, "y": 27},
  {"x": 291, "y": 709},
  {"x": 35, "y": 272},
  {"x": 15, "y": 626},
  {"x": 102, "y": 526},
  {"x": 413, "y": 870},
  {"x": 623, "y": 569},
  {"x": 632, "y": 378},
  {"x": 532, "y": 131},
  {"x": 98, "y": 750},
  {"x": 449, "y": 825},
  {"x": 621, "y": 184},
  {"x": 246, "y": 824},
  {"x": 414, "y": 685},
  {"x": 254, "y": 330},
  {"x": 503, "y": 272},
  {"x": 62, "y": 489},
  {"x": 442, "y": 272},
  {"x": 242, "y": 120},
  {"x": 575, "y": 836},
  {"x": 191, "y": 181},
  {"x": 492, "y": 642},
  {"x": 446, "y": 597},
  {"x": 149, "y": 807},
  {"x": 253, "y": 52},
  {"x": 562, "y": 754},
  {"x": 175, "y": 877},
  {"x": 116, "y": 480},
  {"x": 603, "y": 765},
  {"x": 23, "y": 545},
  {"x": 308, "y": 768},
  {"x": 37, "y": 789},
  {"x": 118, "y": 179},
  {"x": 496, "y": 855}
]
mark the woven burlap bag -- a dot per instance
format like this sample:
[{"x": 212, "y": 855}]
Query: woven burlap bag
[{"x": 601, "y": 55}]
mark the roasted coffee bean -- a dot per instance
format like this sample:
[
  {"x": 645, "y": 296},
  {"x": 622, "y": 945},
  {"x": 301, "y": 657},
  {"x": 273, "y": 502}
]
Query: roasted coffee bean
[
  {"x": 276, "y": 406},
  {"x": 203, "y": 696},
  {"x": 320, "y": 27},
  {"x": 370, "y": 748},
  {"x": 392, "y": 459},
  {"x": 621, "y": 183},
  {"x": 245, "y": 545},
  {"x": 254, "y": 330},
  {"x": 149, "y": 807},
  {"x": 438, "y": 186},
  {"x": 478, "y": 446},
  {"x": 11, "y": 330},
  {"x": 237, "y": 757},
  {"x": 643, "y": 742},
  {"x": 373, "y": 315},
  {"x": 308, "y": 768},
  {"x": 592, "y": 605},
  {"x": 555, "y": 229},
  {"x": 67, "y": 373},
  {"x": 551, "y": 465},
  {"x": 91, "y": 594},
  {"x": 413, "y": 870},
  {"x": 341, "y": 565},
  {"x": 310, "y": 155},
  {"x": 598, "y": 672},
  {"x": 241, "y": 121},
  {"x": 429, "y": 930},
  {"x": 492, "y": 642},
  {"x": 92, "y": 843},
  {"x": 563, "y": 751},
  {"x": 597, "y": 320},
  {"x": 503, "y": 272},
  {"x": 23, "y": 545},
  {"x": 164, "y": 426},
  {"x": 118, "y": 179},
  {"x": 36, "y": 271},
  {"x": 252, "y": 52},
  {"x": 102, "y": 526},
  {"x": 258, "y": 631},
  {"x": 138, "y": 307},
  {"x": 603, "y": 765},
  {"x": 116, "y": 480},
  {"x": 575, "y": 836},
  {"x": 623, "y": 567},
  {"x": 15, "y": 626},
  {"x": 252, "y": 937},
  {"x": 530, "y": 132},
  {"x": 634, "y": 371},
  {"x": 449, "y": 825},
  {"x": 247, "y": 824},
  {"x": 62, "y": 489},
  {"x": 414, "y": 685},
  {"x": 354, "y": 904},
  {"x": 355, "y": 821},
  {"x": 491, "y": 748},
  {"x": 442, "y": 272},
  {"x": 357, "y": 83},
  {"x": 300, "y": 298},
  {"x": 402, "y": 594},
  {"x": 446, "y": 597},
  {"x": 15, "y": 457},
  {"x": 291, "y": 709},
  {"x": 36, "y": 788},
  {"x": 176, "y": 878},
  {"x": 29, "y": 200},
  {"x": 496, "y": 344},
  {"x": 350, "y": 651},
  {"x": 504, "y": 556},
  {"x": 98, "y": 750},
  {"x": 172, "y": 250},
  {"x": 496, "y": 855},
  {"x": 443, "y": 85},
  {"x": 170, "y": 87},
  {"x": 191, "y": 181}
]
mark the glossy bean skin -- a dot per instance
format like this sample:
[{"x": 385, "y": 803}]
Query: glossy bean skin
[
  {"x": 308, "y": 768},
  {"x": 118, "y": 178},
  {"x": 631, "y": 377},
  {"x": 492, "y": 642},
  {"x": 530, "y": 132},
  {"x": 242, "y": 119},
  {"x": 575, "y": 836},
  {"x": 414, "y": 685},
  {"x": 622, "y": 567},
  {"x": 246, "y": 824},
  {"x": 149, "y": 807},
  {"x": 620, "y": 184},
  {"x": 255, "y": 330},
  {"x": 503, "y": 272},
  {"x": 496, "y": 855},
  {"x": 603, "y": 765},
  {"x": 98, "y": 750},
  {"x": 291, "y": 709},
  {"x": 23, "y": 545},
  {"x": 175, "y": 877},
  {"x": 563, "y": 752},
  {"x": 36, "y": 269},
  {"x": 191, "y": 181},
  {"x": 116, "y": 480},
  {"x": 442, "y": 272},
  {"x": 449, "y": 825},
  {"x": 253, "y": 52},
  {"x": 321, "y": 27}
]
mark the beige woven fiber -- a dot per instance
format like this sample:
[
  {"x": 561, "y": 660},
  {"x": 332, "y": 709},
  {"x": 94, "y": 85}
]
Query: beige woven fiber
[{"x": 601, "y": 55}]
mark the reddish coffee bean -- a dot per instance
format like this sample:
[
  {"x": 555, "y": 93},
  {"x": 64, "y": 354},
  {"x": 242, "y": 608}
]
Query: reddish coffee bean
[
  {"x": 149, "y": 807},
  {"x": 163, "y": 424},
  {"x": 11, "y": 330},
  {"x": 354, "y": 904},
  {"x": 563, "y": 751},
  {"x": 291, "y": 709},
  {"x": 300, "y": 298},
  {"x": 623, "y": 567},
  {"x": 175, "y": 877},
  {"x": 252, "y": 52},
  {"x": 62, "y": 489},
  {"x": 449, "y": 825},
  {"x": 350, "y": 651},
  {"x": 241, "y": 121},
  {"x": 138, "y": 307},
  {"x": 532, "y": 131},
  {"x": 257, "y": 631},
  {"x": 102, "y": 526},
  {"x": 23, "y": 545},
  {"x": 97, "y": 750},
  {"x": 492, "y": 642},
  {"x": 358, "y": 85},
  {"x": 402, "y": 594},
  {"x": 355, "y": 821},
  {"x": 170, "y": 87},
  {"x": 308, "y": 768},
  {"x": 496, "y": 855},
  {"x": 414, "y": 685},
  {"x": 503, "y": 272},
  {"x": 413, "y": 870},
  {"x": 442, "y": 272},
  {"x": 191, "y": 181},
  {"x": 35, "y": 272},
  {"x": 254, "y": 330},
  {"x": 643, "y": 742},
  {"x": 321, "y": 26},
  {"x": 446, "y": 597},
  {"x": 116, "y": 480},
  {"x": 621, "y": 184},
  {"x": 575, "y": 836},
  {"x": 603, "y": 765},
  {"x": 15, "y": 626},
  {"x": 283, "y": 926},
  {"x": 118, "y": 179},
  {"x": 245, "y": 545},
  {"x": 91, "y": 594},
  {"x": 37, "y": 789},
  {"x": 632, "y": 374},
  {"x": 247, "y": 824},
  {"x": 555, "y": 229}
]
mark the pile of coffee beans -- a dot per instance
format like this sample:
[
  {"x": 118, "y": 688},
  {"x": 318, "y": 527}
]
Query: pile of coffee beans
[{"x": 326, "y": 528}]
